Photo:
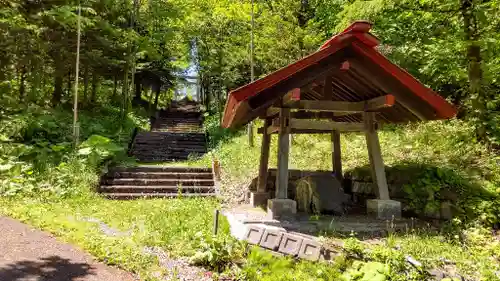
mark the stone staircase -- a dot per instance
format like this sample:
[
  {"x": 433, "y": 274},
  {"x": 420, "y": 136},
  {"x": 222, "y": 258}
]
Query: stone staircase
[
  {"x": 176, "y": 135},
  {"x": 157, "y": 182},
  {"x": 149, "y": 147}
]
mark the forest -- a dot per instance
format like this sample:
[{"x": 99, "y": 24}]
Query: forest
[
  {"x": 135, "y": 54},
  {"x": 452, "y": 46}
]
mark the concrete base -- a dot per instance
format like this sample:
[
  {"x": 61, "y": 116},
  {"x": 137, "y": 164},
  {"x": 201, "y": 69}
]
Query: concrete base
[
  {"x": 384, "y": 209},
  {"x": 279, "y": 208},
  {"x": 259, "y": 199}
]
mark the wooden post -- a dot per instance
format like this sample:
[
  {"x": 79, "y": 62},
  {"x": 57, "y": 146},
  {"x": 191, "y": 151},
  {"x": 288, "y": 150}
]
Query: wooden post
[
  {"x": 375, "y": 155},
  {"x": 336, "y": 155},
  {"x": 283, "y": 151},
  {"x": 264, "y": 159}
]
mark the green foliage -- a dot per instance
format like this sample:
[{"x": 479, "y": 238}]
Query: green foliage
[
  {"x": 38, "y": 157},
  {"x": 168, "y": 224},
  {"x": 368, "y": 271},
  {"x": 217, "y": 253},
  {"x": 263, "y": 266}
]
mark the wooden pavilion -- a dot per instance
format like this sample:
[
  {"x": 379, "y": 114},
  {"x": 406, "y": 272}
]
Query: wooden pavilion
[{"x": 345, "y": 86}]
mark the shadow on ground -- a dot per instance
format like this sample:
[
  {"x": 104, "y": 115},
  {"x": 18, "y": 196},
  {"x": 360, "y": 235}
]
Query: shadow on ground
[{"x": 53, "y": 268}]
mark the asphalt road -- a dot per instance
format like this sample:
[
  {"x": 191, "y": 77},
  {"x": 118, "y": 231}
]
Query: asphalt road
[{"x": 27, "y": 254}]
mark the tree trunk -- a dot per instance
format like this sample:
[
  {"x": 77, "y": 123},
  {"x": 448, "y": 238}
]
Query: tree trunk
[
  {"x": 85, "y": 84},
  {"x": 93, "y": 94},
  {"x": 58, "y": 87},
  {"x": 157, "y": 95},
  {"x": 476, "y": 95},
  {"x": 138, "y": 90},
  {"x": 68, "y": 85},
  {"x": 115, "y": 88},
  {"x": 471, "y": 33},
  {"x": 125, "y": 89},
  {"x": 303, "y": 18},
  {"x": 22, "y": 86}
]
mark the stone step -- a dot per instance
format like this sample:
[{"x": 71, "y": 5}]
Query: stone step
[
  {"x": 177, "y": 125},
  {"x": 160, "y": 159},
  {"x": 161, "y": 156},
  {"x": 168, "y": 149},
  {"x": 178, "y": 121},
  {"x": 125, "y": 196},
  {"x": 176, "y": 135},
  {"x": 172, "y": 136},
  {"x": 166, "y": 169},
  {"x": 181, "y": 140},
  {"x": 172, "y": 141},
  {"x": 160, "y": 175},
  {"x": 170, "y": 130},
  {"x": 155, "y": 189},
  {"x": 180, "y": 129},
  {"x": 157, "y": 182}
]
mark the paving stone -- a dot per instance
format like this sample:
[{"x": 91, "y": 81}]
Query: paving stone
[
  {"x": 271, "y": 238},
  {"x": 254, "y": 234},
  {"x": 290, "y": 244},
  {"x": 310, "y": 250}
]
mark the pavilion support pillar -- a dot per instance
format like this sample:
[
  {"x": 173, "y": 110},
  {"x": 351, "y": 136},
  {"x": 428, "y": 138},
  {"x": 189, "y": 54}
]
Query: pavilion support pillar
[
  {"x": 336, "y": 156},
  {"x": 382, "y": 207},
  {"x": 260, "y": 197},
  {"x": 281, "y": 206}
]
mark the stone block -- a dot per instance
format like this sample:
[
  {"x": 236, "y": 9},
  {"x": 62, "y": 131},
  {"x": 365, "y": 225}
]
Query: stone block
[
  {"x": 271, "y": 238},
  {"x": 321, "y": 193},
  {"x": 362, "y": 187},
  {"x": 237, "y": 228},
  {"x": 279, "y": 208},
  {"x": 259, "y": 199},
  {"x": 290, "y": 244},
  {"x": 254, "y": 233},
  {"x": 384, "y": 209},
  {"x": 310, "y": 250}
]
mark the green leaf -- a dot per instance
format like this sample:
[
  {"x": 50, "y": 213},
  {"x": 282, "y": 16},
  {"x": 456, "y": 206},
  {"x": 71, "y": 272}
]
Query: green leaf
[
  {"x": 84, "y": 151},
  {"x": 6, "y": 167}
]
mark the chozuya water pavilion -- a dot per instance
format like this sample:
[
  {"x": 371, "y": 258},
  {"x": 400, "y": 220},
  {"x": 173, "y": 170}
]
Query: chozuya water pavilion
[{"x": 345, "y": 86}]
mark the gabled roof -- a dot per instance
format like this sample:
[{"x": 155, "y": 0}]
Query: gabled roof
[{"x": 358, "y": 72}]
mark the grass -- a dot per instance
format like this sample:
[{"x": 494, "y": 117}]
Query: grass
[
  {"x": 169, "y": 224},
  {"x": 58, "y": 197},
  {"x": 48, "y": 184},
  {"x": 465, "y": 165}
]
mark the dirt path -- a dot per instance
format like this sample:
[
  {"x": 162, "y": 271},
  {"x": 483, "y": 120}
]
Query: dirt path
[{"x": 32, "y": 255}]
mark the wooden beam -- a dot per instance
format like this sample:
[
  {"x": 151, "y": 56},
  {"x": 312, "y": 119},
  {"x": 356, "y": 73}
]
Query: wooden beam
[
  {"x": 374, "y": 104},
  {"x": 375, "y": 155},
  {"x": 325, "y": 125},
  {"x": 336, "y": 156},
  {"x": 283, "y": 154},
  {"x": 328, "y": 88},
  {"x": 373, "y": 74},
  {"x": 268, "y": 97},
  {"x": 291, "y": 97},
  {"x": 264, "y": 159}
]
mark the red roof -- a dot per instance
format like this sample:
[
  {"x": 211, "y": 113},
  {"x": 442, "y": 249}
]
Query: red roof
[{"x": 363, "y": 73}]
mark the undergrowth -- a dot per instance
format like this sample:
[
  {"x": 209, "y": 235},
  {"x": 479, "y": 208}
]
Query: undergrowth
[{"x": 37, "y": 153}]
